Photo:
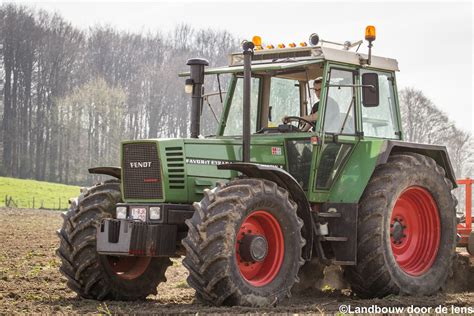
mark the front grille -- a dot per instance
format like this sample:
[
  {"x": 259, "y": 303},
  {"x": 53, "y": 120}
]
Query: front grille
[
  {"x": 175, "y": 163},
  {"x": 141, "y": 171}
]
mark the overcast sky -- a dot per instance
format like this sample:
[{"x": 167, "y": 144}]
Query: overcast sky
[{"x": 432, "y": 41}]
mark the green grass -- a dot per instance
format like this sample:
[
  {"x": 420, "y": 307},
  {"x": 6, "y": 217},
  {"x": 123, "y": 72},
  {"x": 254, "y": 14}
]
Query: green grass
[{"x": 45, "y": 194}]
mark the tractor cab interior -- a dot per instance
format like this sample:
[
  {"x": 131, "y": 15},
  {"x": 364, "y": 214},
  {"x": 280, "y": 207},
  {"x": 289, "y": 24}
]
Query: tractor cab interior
[{"x": 275, "y": 94}]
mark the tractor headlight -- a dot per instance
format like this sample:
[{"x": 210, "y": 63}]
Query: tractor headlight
[
  {"x": 189, "y": 86},
  {"x": 121, "y": 212},
  {"x": 155, "y": 212}
]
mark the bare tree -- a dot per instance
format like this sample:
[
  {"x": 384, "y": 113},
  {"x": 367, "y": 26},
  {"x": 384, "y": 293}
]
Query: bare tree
[{"x": 423, "y": 122}]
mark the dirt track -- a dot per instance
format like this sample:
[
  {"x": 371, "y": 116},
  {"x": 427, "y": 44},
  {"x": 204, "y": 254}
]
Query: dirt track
[{"x": 30, "y": 280}]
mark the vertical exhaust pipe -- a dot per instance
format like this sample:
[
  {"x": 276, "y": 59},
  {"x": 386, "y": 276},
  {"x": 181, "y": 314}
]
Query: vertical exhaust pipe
[
  {"x": 195, "y": 82},
  {"x": 247, "y": 51}
]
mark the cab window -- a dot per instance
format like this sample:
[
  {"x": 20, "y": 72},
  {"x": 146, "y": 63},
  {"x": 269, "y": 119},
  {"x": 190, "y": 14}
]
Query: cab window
[
  {"x": 339, "y": 115},
  {"x": 381, "y": 121},
  {"x": 234, "y": 118}
]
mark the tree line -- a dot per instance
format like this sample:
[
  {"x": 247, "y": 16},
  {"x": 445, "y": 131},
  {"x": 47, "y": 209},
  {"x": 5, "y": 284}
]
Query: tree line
[{"x": 70, "y": 96}]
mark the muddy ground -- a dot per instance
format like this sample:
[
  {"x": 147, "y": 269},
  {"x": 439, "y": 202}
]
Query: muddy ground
[{"x": 30, "y": 281}]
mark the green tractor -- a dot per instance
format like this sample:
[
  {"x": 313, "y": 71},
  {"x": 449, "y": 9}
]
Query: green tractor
[{"x": 263, "y": 205}]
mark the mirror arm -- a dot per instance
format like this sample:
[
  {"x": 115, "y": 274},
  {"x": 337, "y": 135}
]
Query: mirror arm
[{"x": 206, "y": 95}]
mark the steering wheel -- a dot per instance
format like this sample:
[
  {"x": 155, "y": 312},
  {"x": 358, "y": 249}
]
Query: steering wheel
[{"x": 301, "y": 121}]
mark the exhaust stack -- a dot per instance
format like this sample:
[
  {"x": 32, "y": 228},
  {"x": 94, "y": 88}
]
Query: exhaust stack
[
  {"x": 247, "y": 51},
  {"x": 194, "y": 85}
]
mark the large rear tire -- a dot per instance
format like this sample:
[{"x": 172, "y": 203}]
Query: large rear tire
[
  {"x": 95, "y": 276},
  {"x": 406, "y": 229},
  {"x": 244, "y": 244}
]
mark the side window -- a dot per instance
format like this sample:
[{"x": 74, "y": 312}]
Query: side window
[
  {"x": 234, "y": 119},
  {"x": 381, "y": 121},
  {"x": 284, "y": 100},
  {"x": 300, "y": 154},
  {"x": 340, "y": 107}
]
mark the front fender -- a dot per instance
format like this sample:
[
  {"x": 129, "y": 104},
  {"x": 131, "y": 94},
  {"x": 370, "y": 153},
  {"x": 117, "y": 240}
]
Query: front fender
[
  {"x": 284, "y": 180},
  {"x": 115, "y": 172}
]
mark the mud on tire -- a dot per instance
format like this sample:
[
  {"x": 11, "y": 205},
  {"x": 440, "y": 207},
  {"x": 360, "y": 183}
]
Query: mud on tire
[
  {"x": 398, "y": 255},
  {"x": 94, "y": 276},
  {"x": 217, "y": 271}
]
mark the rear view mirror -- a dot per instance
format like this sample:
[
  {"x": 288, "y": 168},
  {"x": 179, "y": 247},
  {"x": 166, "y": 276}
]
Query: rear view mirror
[{"x": 370, "y": 89}]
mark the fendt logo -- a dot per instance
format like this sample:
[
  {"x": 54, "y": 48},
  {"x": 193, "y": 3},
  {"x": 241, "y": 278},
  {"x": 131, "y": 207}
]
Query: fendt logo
[{"x": 140, "y": 164}]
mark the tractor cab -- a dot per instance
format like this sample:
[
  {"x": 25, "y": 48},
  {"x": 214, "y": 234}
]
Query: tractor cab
[{"x": 355, "y": 98}]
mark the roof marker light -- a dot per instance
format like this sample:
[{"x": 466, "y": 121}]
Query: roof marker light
[
  {"x": 303, "y": 44},
  {"x": 292, "y": 45},
  {"x": 281, "y": 45},
  {"x": 257, "y": 40}
]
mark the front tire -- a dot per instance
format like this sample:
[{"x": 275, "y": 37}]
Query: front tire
[
  {"x": 244, "y": 244},
  {"x": 100, "y": 277},
  {"x": 406, "y": 229}
]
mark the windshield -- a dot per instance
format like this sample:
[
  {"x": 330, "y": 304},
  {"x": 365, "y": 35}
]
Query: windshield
[{"x": 284, "y": 100}]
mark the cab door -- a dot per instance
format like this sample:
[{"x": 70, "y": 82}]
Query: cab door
[{"x": 339, "y": 127}]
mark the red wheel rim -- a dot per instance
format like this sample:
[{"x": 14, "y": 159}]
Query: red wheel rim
[
  {"x": 264, "y": 224},
  {"x": 128, "y": 268},
  {"x": 415, "y": 231}
]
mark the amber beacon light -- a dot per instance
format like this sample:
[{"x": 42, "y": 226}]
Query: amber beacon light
[
  {"x": 369, "y": 37},
  {"x": 370, "y": 33}
]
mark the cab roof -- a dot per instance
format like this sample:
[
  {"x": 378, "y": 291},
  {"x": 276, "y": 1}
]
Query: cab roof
[{"x": 299, "y": 57}]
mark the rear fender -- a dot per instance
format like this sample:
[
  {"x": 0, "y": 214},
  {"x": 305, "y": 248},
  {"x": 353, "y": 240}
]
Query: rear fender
[
  {"x": 438, "y": 153},
  {"x": 286, "y": 181}
]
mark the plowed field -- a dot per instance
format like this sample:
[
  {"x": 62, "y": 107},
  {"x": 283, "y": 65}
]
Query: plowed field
[{"x": 30, "y": 281}]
